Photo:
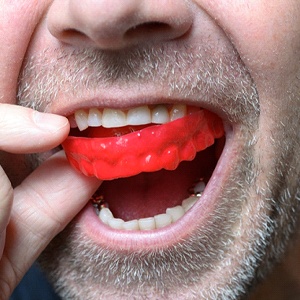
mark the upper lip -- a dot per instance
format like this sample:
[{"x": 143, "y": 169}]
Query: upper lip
[{"x": 215, "y": 82}]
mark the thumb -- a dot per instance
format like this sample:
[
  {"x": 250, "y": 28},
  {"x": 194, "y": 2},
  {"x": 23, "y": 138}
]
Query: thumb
[{"x": 24, "y": 130}]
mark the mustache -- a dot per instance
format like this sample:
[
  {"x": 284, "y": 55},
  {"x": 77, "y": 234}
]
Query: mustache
[{"x": 213, "y": 74}]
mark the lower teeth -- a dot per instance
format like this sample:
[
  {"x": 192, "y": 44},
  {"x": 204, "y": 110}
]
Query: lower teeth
[{"x": 158, "y": 221}]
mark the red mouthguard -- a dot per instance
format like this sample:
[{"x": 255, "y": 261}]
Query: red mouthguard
[{"x": 147, "y": 150}]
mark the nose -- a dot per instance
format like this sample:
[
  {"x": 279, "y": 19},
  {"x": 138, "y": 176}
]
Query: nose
[{"x": 115, "y": 24}]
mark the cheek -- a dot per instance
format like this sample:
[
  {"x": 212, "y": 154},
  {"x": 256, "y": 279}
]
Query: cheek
[
  {"x": 266, "y": 35},
  {"x": 18, "y": 21}
]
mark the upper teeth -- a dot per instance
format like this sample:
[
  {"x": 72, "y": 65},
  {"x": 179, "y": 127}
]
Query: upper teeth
[{"x": 142, "y": 115}]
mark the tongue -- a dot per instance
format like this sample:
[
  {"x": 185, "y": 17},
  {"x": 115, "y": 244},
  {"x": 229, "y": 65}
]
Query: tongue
[{"x": 146, "y": 150}]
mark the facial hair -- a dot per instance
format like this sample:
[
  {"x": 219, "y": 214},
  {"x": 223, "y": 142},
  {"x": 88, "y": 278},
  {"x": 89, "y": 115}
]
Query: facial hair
[{"x": 253, "y": 220}]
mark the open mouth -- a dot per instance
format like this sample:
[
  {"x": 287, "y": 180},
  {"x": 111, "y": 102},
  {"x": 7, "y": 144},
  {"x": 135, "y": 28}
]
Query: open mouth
[{"x": 155, "y": 161}]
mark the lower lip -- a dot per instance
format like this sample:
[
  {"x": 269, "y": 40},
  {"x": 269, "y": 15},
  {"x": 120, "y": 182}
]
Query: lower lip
[{"x": 198, "y": 216}]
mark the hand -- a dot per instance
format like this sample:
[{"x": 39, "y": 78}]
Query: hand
[{"x": 45, "y": 202}]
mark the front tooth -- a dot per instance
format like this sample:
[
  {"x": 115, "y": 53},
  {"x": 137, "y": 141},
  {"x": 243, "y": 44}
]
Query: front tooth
[
  {"x": 81, "y": 117},
  {"x": 146, "y": 223},
  {"x": 131, "y": 225},
  {"x": 116, "y": 223},
  {"x": 94, "y": 118},
  {"x": 113, "y": 118},
  {"x": 139, "y": 116},
  {"x": 189, "y": 202},
  {"x": 177, "y": 111},
  {"x": 175, "y": 212},
  {"x": 160, "y": 115},
  {"x": 105, "y": 215},
  {"x": 162, "y": 220}
]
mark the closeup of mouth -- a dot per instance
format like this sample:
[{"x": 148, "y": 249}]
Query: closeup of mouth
[{"x": 159, "y": 167}]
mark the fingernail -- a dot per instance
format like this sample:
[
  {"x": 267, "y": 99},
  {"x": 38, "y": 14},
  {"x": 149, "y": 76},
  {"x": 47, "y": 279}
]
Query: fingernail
[{"x": 49, "y": 122}]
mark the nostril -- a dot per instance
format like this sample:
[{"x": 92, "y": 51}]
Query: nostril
[
  {"x": 74, "y": 36},
  {"x": 137, "y": 33},
  {"x": 70, "y": 33},
  {"x": 147, "y": 28}
]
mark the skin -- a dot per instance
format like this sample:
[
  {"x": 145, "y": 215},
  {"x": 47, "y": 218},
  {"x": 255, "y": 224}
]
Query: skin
[{"x": 261, "y": 40}]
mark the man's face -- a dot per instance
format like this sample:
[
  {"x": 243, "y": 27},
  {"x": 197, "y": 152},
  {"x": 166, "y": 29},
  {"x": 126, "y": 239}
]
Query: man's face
[{"x": 237, "y": 59}]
